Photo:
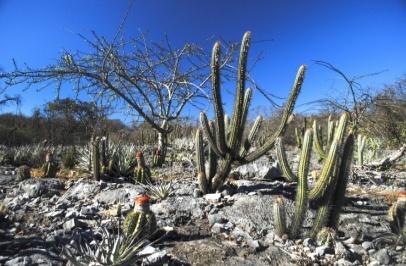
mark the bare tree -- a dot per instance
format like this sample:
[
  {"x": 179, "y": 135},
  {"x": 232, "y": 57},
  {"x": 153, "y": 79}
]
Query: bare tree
[{"x": 155, "y": 80}]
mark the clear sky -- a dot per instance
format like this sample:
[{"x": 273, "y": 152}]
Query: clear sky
[{"x": 358, "y": 37}]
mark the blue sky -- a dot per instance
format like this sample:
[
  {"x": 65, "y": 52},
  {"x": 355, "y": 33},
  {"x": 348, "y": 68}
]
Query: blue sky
[{"x": 358, "y": 37}]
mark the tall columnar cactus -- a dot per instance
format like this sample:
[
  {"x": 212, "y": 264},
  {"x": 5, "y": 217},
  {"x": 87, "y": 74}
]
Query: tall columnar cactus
[
  {"x": 96, "y": 158},
  {"x": 142, "y": 174},
  {"x": 227, "y": 144},
  {"x": 328, "y": 192},
  {"x": 361, "y": 141}
]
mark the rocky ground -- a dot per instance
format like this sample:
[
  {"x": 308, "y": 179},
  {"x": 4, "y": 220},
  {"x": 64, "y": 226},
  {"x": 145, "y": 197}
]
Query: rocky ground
[{"x": 232, "y": 228}]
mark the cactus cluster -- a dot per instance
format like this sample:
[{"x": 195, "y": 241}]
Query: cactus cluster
[
  {"x": 328, "y": 192},
  {"x": 228, "y": 144},
  {"x": 318, "y": 143},
  {"x": 142, "y": 173}
]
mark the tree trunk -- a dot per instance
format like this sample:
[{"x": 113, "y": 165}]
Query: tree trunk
[
  {"x": 162, "y": 146},
  {"x": 163, "y": 142}
]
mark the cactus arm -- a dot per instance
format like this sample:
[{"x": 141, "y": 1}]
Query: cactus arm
[
  {"x": 301, "y": 193},
  {"x": 298, "y": 138},
  {"x": 318, "y": 146},
  {"x": 212, "y": 165},
  {"x": 344, "y": 172},
  {"x": 201, "y": 176},
  {"x": 285, "y": 117},
  {"x": 279, "y": 217},
  {"x": 281, "y": 155},
  {"x": 330, "y": 130},
  {"x": 251, "y": 137},
  {"x": 218, "y": 105},
  {"x": 237, "y": 147},
  {"x": 239, "y": 98},
  {"x": 207, "y": 132},
  {"x": 325, "y": 179}
]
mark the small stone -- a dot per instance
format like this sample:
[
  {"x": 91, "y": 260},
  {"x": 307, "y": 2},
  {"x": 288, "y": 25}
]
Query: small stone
[
  {"x": 371, "y": 251},
  {"x": 374, "y": 263},
  {"x": 320, "y": 251},
  {"x": 308, "y": 242},
  {"x": 54, "y": 213},
  {"x": 367, "y": 245},
  {"x": 383, "y": 256},
  {"x": 252, "y": 193},
  {"x": 197, "y": 193},
  {"x": 216, "y": 218},
  {"x": 343, "y": 262},
  {"x": 213, "y": 197},
  {"x": 399, "y": 248},
  {"x": 229, "y": 226},
  {"x": 217, "y": 228},
  {"x": 72, "y": 223},
  {"x": 254, "y": 245}
]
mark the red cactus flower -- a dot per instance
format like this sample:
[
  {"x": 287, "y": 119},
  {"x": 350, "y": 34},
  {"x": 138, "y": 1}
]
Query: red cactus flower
[
  {"x": 139, "y": 155},
  {"x": 142, "y": 200}
]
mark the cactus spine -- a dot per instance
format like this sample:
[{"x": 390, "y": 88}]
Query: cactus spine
[{"x": 226, "y": 139}]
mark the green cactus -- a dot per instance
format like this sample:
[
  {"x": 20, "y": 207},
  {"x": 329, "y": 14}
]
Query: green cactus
[
  {"x": 328, "y": 192},
  {"x": 226, "y": 139},
  {"x": 142, "y": 174},
  {"x": 299, "y": 133},
  {"x": 361, "y": 141},
  {"x": 141, "y": 221},
  {"x": 326, "y": 237},
  {"x": 301, "y": 193},
  {"x": 50, "y": 167},
  {"x": 326, "y": 177},
  {"x": 156, "y": 158},
  {"x": 280, "y": 217}
]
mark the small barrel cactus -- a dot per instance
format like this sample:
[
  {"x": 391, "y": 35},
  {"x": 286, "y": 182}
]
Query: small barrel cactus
[
  {"x": 397, "y": 216},
  {"x": 141, "y": 221},
  {"x": 142, "y": 174},
  {"x": 23, "y": 172},
  {"x": 50, "y": 166},
  {"x": 156, "y": 158}
]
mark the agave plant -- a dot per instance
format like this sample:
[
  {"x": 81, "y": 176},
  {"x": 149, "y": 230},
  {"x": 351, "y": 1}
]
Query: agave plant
[
  {"x": 84, "y": 157},
  {"x": 112, "y": 249},
  {"x": 121, "y": 159},
  {"x": 158, "y": 191}
]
